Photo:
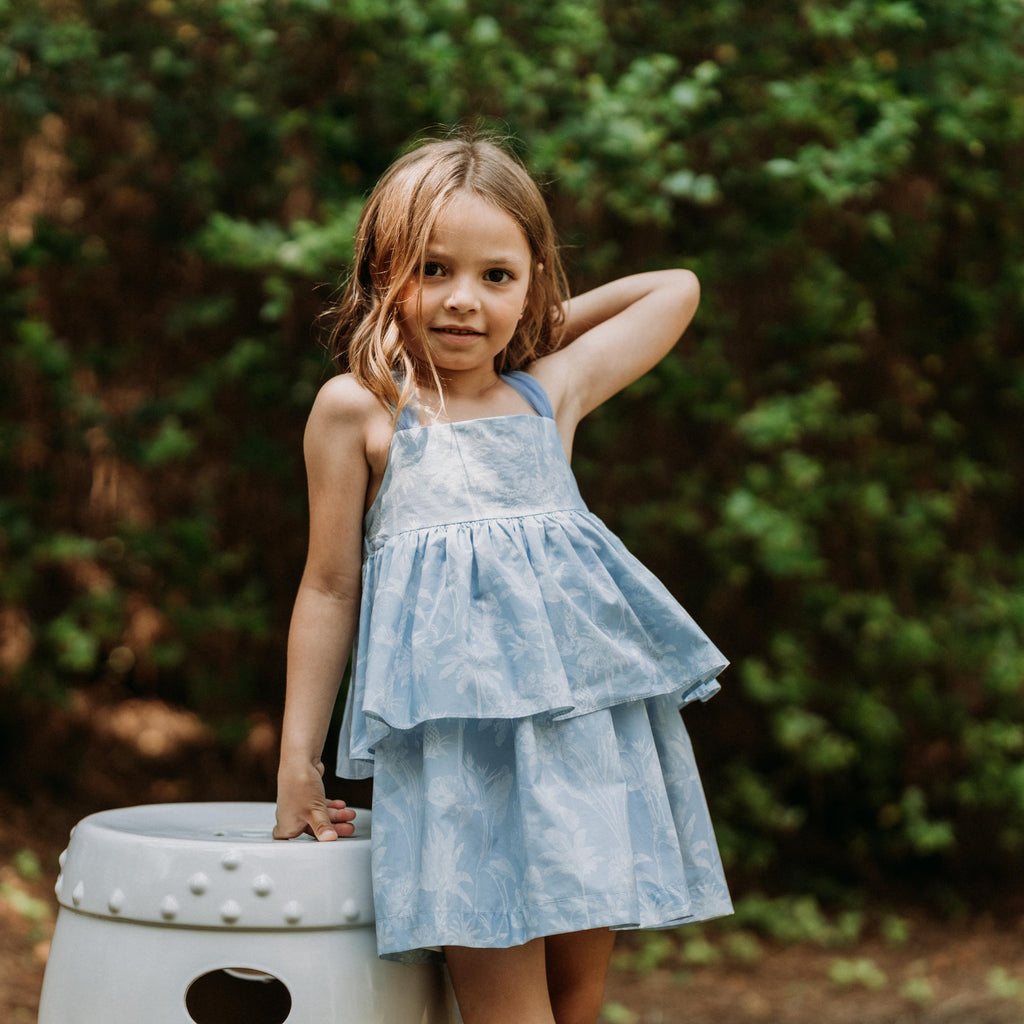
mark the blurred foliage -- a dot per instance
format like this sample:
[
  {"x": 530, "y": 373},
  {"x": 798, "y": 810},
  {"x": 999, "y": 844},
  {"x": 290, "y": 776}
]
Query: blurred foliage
[{"x": 827, "y": 472}]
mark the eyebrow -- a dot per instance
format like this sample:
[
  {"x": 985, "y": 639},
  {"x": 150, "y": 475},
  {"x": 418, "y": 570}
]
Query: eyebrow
[{"x": 441, "y": 254}]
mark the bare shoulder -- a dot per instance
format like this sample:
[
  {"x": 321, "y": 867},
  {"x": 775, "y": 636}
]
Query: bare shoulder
[
  {"x": 559, "y": 375},
  {"x": 344, "y": 405},
  {"x": 343, "y": 399},
  {"x": 548, "y": 375},
  {"x": 349, "y": 432}
]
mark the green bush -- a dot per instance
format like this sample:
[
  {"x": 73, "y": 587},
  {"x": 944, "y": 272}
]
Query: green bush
[{"x": 826, "y": 472}]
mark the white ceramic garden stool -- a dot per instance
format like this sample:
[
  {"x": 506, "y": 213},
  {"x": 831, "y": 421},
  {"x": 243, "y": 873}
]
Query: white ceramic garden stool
[{"x": 179, "y": 913}]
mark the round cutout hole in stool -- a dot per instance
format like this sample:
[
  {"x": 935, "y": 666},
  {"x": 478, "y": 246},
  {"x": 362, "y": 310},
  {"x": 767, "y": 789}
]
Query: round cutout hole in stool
[{"x": 238, "y": 994}]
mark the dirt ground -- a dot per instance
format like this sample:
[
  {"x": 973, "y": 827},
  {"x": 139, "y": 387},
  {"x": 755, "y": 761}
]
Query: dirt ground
[
  {"x": 970, "y": 975},
  {"x": 902, "y": 968}
]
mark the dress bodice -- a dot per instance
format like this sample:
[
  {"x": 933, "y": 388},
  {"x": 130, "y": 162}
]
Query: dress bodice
[{"x": 504, "y": 466}]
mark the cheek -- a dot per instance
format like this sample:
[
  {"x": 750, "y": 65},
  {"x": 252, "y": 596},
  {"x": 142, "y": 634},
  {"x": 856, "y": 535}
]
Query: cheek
[
  {"x": 410, "y": 303},
  {"x": 525, "y": 304},
  {"x": 408, "y": 317},
  {"x": 407, "y": 296}
]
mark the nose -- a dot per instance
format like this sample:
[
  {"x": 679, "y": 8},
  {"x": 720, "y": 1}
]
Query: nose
[{"x": 462, "y": 295}]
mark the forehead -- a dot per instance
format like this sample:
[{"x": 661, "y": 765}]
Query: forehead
[{"x": 474, "y": 227}]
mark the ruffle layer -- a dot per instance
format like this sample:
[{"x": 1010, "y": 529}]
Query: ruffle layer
[
  {"x": 535, "y": 615},
  {"x": 492, "y": 833}
]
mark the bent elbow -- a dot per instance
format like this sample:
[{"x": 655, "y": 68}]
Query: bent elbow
[
  {"x": 338, "y": 587},
  {"x": 688, "y": 286},
  {"x": 685, "y": 296}
]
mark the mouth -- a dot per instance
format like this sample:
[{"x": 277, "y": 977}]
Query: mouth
[
  {"x": 467, "y": 332},
  {"x": 455, "y": 337}
]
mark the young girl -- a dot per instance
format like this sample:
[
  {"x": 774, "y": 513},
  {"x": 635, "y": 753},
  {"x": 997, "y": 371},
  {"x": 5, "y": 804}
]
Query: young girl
[{"x": 517, "y": 674}]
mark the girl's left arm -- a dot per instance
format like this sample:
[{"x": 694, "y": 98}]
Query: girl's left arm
[{"x": 616, "y": 333}]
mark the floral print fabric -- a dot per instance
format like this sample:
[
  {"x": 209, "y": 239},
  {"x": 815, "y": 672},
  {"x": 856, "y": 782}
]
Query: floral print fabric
[{"x": 516, "y": 686}]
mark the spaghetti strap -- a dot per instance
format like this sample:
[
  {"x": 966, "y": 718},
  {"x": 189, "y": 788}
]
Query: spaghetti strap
[
  {"x": 532, "y": 390},
  {"x": 408, "y": 417}
]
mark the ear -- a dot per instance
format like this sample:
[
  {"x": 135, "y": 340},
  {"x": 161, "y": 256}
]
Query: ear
[{"x": 538, "y": 269}]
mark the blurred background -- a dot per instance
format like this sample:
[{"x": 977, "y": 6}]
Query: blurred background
[{"x": 826, "y": 472}]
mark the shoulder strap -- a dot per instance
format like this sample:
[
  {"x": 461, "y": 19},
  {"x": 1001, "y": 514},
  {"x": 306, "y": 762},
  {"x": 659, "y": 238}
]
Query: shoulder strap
[
  {"x": 408, "y": 417},
  {"x": 532, "y": 390}
]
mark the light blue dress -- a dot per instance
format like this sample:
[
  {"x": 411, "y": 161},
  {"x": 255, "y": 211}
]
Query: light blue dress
[{"x": 516, "y": 685}]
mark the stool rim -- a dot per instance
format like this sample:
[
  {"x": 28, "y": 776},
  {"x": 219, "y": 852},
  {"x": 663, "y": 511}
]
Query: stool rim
[
  {"x": 214, "y": 865},
  {"x": 211, "y": 821}
]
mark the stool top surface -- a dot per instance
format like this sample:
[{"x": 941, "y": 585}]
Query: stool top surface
[
  {"x": 214, "y": 865},
  {"x": 204, "y": 822}
]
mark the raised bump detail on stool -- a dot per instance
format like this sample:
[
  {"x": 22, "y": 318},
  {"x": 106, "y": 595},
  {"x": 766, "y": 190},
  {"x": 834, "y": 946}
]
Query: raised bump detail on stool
[
  {"x": 198, "y": 884},
  {"x": 231, "y": 860},
  {"x": 351, "y": 910},
  {"x": 293, "y": 912},
  {"x": 169, "y": 908},
  {"x": 230, "y": 912},
  {"x": 116, "y": 902},
  {"x": 78, "y": 894},
  {"x": 263, "y": 885}
]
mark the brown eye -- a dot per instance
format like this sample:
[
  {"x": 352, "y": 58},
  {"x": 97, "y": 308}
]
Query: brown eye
[{"x": 497, "y": 276}]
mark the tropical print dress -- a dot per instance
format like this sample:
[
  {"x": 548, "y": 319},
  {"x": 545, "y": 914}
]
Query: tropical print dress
[{"x": 516, "y": 685}]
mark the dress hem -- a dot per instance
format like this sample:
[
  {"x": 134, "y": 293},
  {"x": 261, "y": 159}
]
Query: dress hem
[{"x": 601, "y": 916}]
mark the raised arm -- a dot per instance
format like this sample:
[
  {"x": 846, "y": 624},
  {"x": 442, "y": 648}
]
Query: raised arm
[
  {"x": 326, "y": 608},
  {"x": 617, "y": 332}
]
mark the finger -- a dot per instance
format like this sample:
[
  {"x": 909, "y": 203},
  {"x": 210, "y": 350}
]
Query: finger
[
  {"x": 284, "y": 833},
  {"x": 344, "y": 828},
  {"x": 321, "y": 827}
]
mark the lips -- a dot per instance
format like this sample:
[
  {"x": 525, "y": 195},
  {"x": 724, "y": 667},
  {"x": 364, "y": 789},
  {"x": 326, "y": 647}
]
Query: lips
[{"x": 468, "y": 332}]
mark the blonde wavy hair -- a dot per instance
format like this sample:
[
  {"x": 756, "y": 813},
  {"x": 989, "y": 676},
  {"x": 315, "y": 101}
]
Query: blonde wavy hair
[{"x": 390, "y": 248}]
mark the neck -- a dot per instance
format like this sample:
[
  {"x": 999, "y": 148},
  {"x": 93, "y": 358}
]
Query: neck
[{"x": 469, "y": 384}]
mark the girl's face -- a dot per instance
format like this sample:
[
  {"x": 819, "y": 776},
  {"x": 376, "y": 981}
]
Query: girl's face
[{"x": 476, "y": 279}]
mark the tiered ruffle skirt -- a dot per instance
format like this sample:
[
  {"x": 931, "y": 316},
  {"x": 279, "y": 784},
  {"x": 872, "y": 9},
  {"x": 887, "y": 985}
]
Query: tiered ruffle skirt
[{"x": 516, "y": 691}]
